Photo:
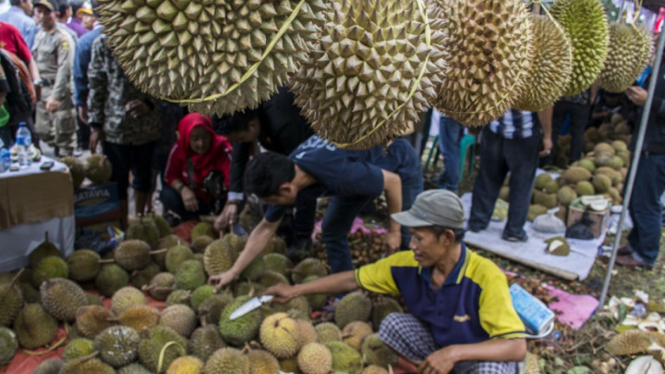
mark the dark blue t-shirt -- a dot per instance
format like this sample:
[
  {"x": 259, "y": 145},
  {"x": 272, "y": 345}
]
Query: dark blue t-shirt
[{"x": 341, "y": 172}]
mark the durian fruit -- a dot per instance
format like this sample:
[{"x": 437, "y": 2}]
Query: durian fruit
[
  {"x": 240, "y": 330},
  {"x": 354, "y": 333},
  {"x": 629, "y": 343},
  {"x": 345, "y": 358},
  {"x": 376, "y": 67},
  {"x": 134, "y": 368},
  {"x": 647, "y": 44},
  {"x": 271, "y": 278},
  {"x": 126, "y": 297},
  {"x": 203, "y": 228},
  {"x": 140, "y": 278},
  {"x": 161, "y": 286},
  {"x": 601, "y": 183},
  {"x": 535, "y": 211},
  {"x": 176, "y": 255},
  {"x": 200, "y": 243},
  {"x": 275, "y": 245},
  {"x": 98, "y": 169},
  {"x": 110, "y": 279},
  {"x": 309, "y": 267},
  {"x": 211, "y": 309},
  {"x": 76, "y": 170},
  {"x": 584, "y": 189},
  {"x": 297, "y": 307},
  {"x": 604, "y": 148},
  {"x": 381, "y": 308},
  {"x": 8, "y": 345},
  {"x": 376, "y": 352},
  {"x": 575, "y": 174},
  {"x": 557, "y": 246},
  {"x": 219, "y": 256},
  {"x": 43, "y": 250},
  {"x": 215, "y": 50},
  {"x": 50, "y": 366},
  {"x": 566, "y": 195},
  {"x": 262, "y": 362},
  {"x": 144, "y": 229},
  {"x": 245, "y": 288},
  {"x": 11, "y": 299},
  {"x": 355, "y": 306},
  {"x": 132, "y": 254},
  {"x": 200, "y": 294},
  {"x": 154, "y": 354},
  {"x": 315, "y": 358},
  {"x": 552, "y": 65},
  {"x": 30, "y": 293},
  {"x": 586, "y": 24},
  {"x": 227, "y": 361},
  {"x": 93, "y": 319},
  {"x": 307, "y": 332},
  {"x": 205, "y": 341},
  {"x": 77, "y": 348},
  {"x": 61, "y": 298},
  {"x": 489, "y": 69},
  {"x": 162, "y": 224},
  {"x": 139, "y": 317},
  {"x": 236, "y": 241},
  {"x": 178, "y": 297},
  {"x": 289, "y": 365},
  {"x": 190, "y": 275},
  {"x": 167, "y": 242},
  {"x": 279, "y": 334},
  {"x": 50, "y": 267},
  {"x": 83, "y": 265},
  {"x": 185, "y": 365},
  {"x": 118, "y": 345},
  {"x": 588, "y": 164},
  {"x": 621, "y": 67},
  {"x": 316, "y": 301},
  {"x": 34, "y": 327},
  {"x": 86, "y": 365},
  {"x": 373, "y": 369},
  {"x": 254, "y": 270},
  {"x": 180, "y": 318},
  {"x": 327, "y": 332}
]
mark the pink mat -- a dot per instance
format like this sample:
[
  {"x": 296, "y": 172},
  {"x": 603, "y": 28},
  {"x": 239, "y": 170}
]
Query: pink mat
[
  {"x": 358, "y": 224},
  {"x": 572, "y": 310}
]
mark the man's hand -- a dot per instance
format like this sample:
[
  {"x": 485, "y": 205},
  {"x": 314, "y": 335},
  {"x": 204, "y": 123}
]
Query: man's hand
[
  {"x": 52, "y": 104},
  {"x": 393, "y": 240},
  {"x": 439, "y": 362},
  {"x": 282, "y": 292},
  {"x": 83, "y": 113},
  {"x": 228, "y": 217},
  {"x": 637, "y": 95},
  {"x": 137, "y": 108},
  {"x": 189, "y": 199},
  {"x": 547, "y": 147},
  {"x": 222, "y": 279},
  {"x": 96, "y": 136}
]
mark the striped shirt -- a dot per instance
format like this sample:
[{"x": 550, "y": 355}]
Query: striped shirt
[{"x": 515, "y": 124}]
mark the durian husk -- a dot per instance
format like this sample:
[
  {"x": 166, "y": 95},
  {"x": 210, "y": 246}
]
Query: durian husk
[
  {"x": 586, "y": 24},
  {"x": 491, "y": 44},
  {"x": 552, "y": 65},
  {"x": 196, "y": 52},
  {"x": 376, "y": 67},
  {"x": 622, "y": 65}
]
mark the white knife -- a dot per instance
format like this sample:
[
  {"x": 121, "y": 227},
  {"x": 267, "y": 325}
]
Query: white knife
[{"x": 249, "y": 306}]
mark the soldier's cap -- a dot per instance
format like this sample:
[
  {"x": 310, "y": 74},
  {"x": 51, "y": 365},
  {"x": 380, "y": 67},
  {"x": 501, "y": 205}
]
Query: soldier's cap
[
  {"x": 48, "y": 4},
  {"x": 433, "y": 208}
]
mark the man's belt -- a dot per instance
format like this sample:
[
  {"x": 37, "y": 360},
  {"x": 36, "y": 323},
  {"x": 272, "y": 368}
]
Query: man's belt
[{"x": 45, "y": 82}]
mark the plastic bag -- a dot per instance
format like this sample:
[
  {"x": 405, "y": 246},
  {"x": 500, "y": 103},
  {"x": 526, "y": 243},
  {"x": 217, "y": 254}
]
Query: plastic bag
[
  {"x": 581, "y": 229},
  {"x": 549, "y": 223}
]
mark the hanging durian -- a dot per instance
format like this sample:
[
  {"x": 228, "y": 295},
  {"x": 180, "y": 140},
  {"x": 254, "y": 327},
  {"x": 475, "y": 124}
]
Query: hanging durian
[
  {"x": 490, "y": 47},
  {"x": 182, "y": 49},
  {"x": 551, "y": 68},
  {"x": 376, "y": 68},
  {"x": 624, "y": 62},
  {"x": 586, "y": 24}
]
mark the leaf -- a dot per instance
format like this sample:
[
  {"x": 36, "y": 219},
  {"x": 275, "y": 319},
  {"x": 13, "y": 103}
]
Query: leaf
[
  {"x": 579, "y": 370},
  {"x": 558, "y": 361},
  {"x": 623, "y": 311},
  {"x": 581, "y": 360}
]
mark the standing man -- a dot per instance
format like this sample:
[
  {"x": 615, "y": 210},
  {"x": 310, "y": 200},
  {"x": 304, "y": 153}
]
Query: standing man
[
  {"x": 512, "y": 144},
  {"x": 353, "y": 178},
  {"x": 54, "y": 53},
  {"x": 80, "y": 11},
  {"x": 19, "y": 16},
  {"x": 65, "y": 12}
]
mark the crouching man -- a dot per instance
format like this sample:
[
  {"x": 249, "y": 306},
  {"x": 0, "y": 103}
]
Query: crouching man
[{"x": 461, "y": 316}]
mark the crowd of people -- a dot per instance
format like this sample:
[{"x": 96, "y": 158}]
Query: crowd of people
[{"x": 65, "y": 83}]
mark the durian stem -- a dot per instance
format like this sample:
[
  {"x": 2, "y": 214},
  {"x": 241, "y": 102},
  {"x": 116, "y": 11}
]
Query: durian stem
[
  {"x": 49, "y": 349},
  {"x": 16, "y": 277},
  {"x": 163, "y": 352},
  {"x": 107, "y": 261},
  {"x": 163, "y": 250}
]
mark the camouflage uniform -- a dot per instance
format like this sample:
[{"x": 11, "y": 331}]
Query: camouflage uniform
[{"x": 53, "y": 52}]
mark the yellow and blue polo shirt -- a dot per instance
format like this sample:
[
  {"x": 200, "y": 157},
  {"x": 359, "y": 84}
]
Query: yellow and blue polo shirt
[{"x": 472, "y": 306}]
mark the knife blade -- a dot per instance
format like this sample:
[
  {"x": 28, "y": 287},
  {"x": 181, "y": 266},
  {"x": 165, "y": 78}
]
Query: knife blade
[{"x": 249, "y": 306}]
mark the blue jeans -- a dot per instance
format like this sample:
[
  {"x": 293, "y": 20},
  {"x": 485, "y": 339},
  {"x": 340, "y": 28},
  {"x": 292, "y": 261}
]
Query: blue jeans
[
  {"x": 451, "y": 133},
  {"x": 498, "y": 156},
  {"x": 172, "y": 201},
  {"x": 645, "y": 209}
]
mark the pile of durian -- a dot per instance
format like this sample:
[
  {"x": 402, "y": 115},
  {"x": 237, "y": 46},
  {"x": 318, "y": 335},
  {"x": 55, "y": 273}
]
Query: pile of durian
[
  {"x": 97, "y": 168},
  {"x": 191, "y": 332}
]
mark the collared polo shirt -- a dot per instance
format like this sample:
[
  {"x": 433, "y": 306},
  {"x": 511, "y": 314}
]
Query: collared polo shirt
[
  {"x": 472, "y": 306},
  {"x": 515, "y": 124}
]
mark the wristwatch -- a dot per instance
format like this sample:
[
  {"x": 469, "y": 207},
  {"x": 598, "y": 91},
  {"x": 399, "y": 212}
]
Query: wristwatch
[
  {"x": 37, "y": 82},
  {"x": 179, "y": 189}
]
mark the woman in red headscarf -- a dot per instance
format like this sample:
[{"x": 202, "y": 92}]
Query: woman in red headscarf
[{"x": 198, "y": 169}]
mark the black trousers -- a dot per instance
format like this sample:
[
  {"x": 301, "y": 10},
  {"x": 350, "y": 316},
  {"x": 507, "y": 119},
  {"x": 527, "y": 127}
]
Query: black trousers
[
  {"x": 579, "y": 118},
  {"x": 498, "y": 156}
]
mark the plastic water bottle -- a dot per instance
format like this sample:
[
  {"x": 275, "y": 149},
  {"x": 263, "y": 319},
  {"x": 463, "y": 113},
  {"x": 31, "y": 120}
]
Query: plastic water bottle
[
  {"x": 5, "y": 158},
  {"x": 23, "y": 142}
]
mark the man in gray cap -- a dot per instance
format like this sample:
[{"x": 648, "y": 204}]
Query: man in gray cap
[{"x": 461, "y": 316}]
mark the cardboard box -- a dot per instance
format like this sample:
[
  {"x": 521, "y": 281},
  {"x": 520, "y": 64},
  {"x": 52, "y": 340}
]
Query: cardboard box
[
  {"x": 96, "y": 204},
  {"x": 600, "y": 219}
]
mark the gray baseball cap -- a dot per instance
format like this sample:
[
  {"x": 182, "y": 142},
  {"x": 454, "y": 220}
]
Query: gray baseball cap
[{"x": 433, "y": 208}]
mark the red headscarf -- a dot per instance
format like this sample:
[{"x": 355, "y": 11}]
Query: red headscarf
[{"x": 218, "y": 156}]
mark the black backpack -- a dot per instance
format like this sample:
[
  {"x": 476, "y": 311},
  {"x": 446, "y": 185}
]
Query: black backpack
[{"x": 18, "y": 102}]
